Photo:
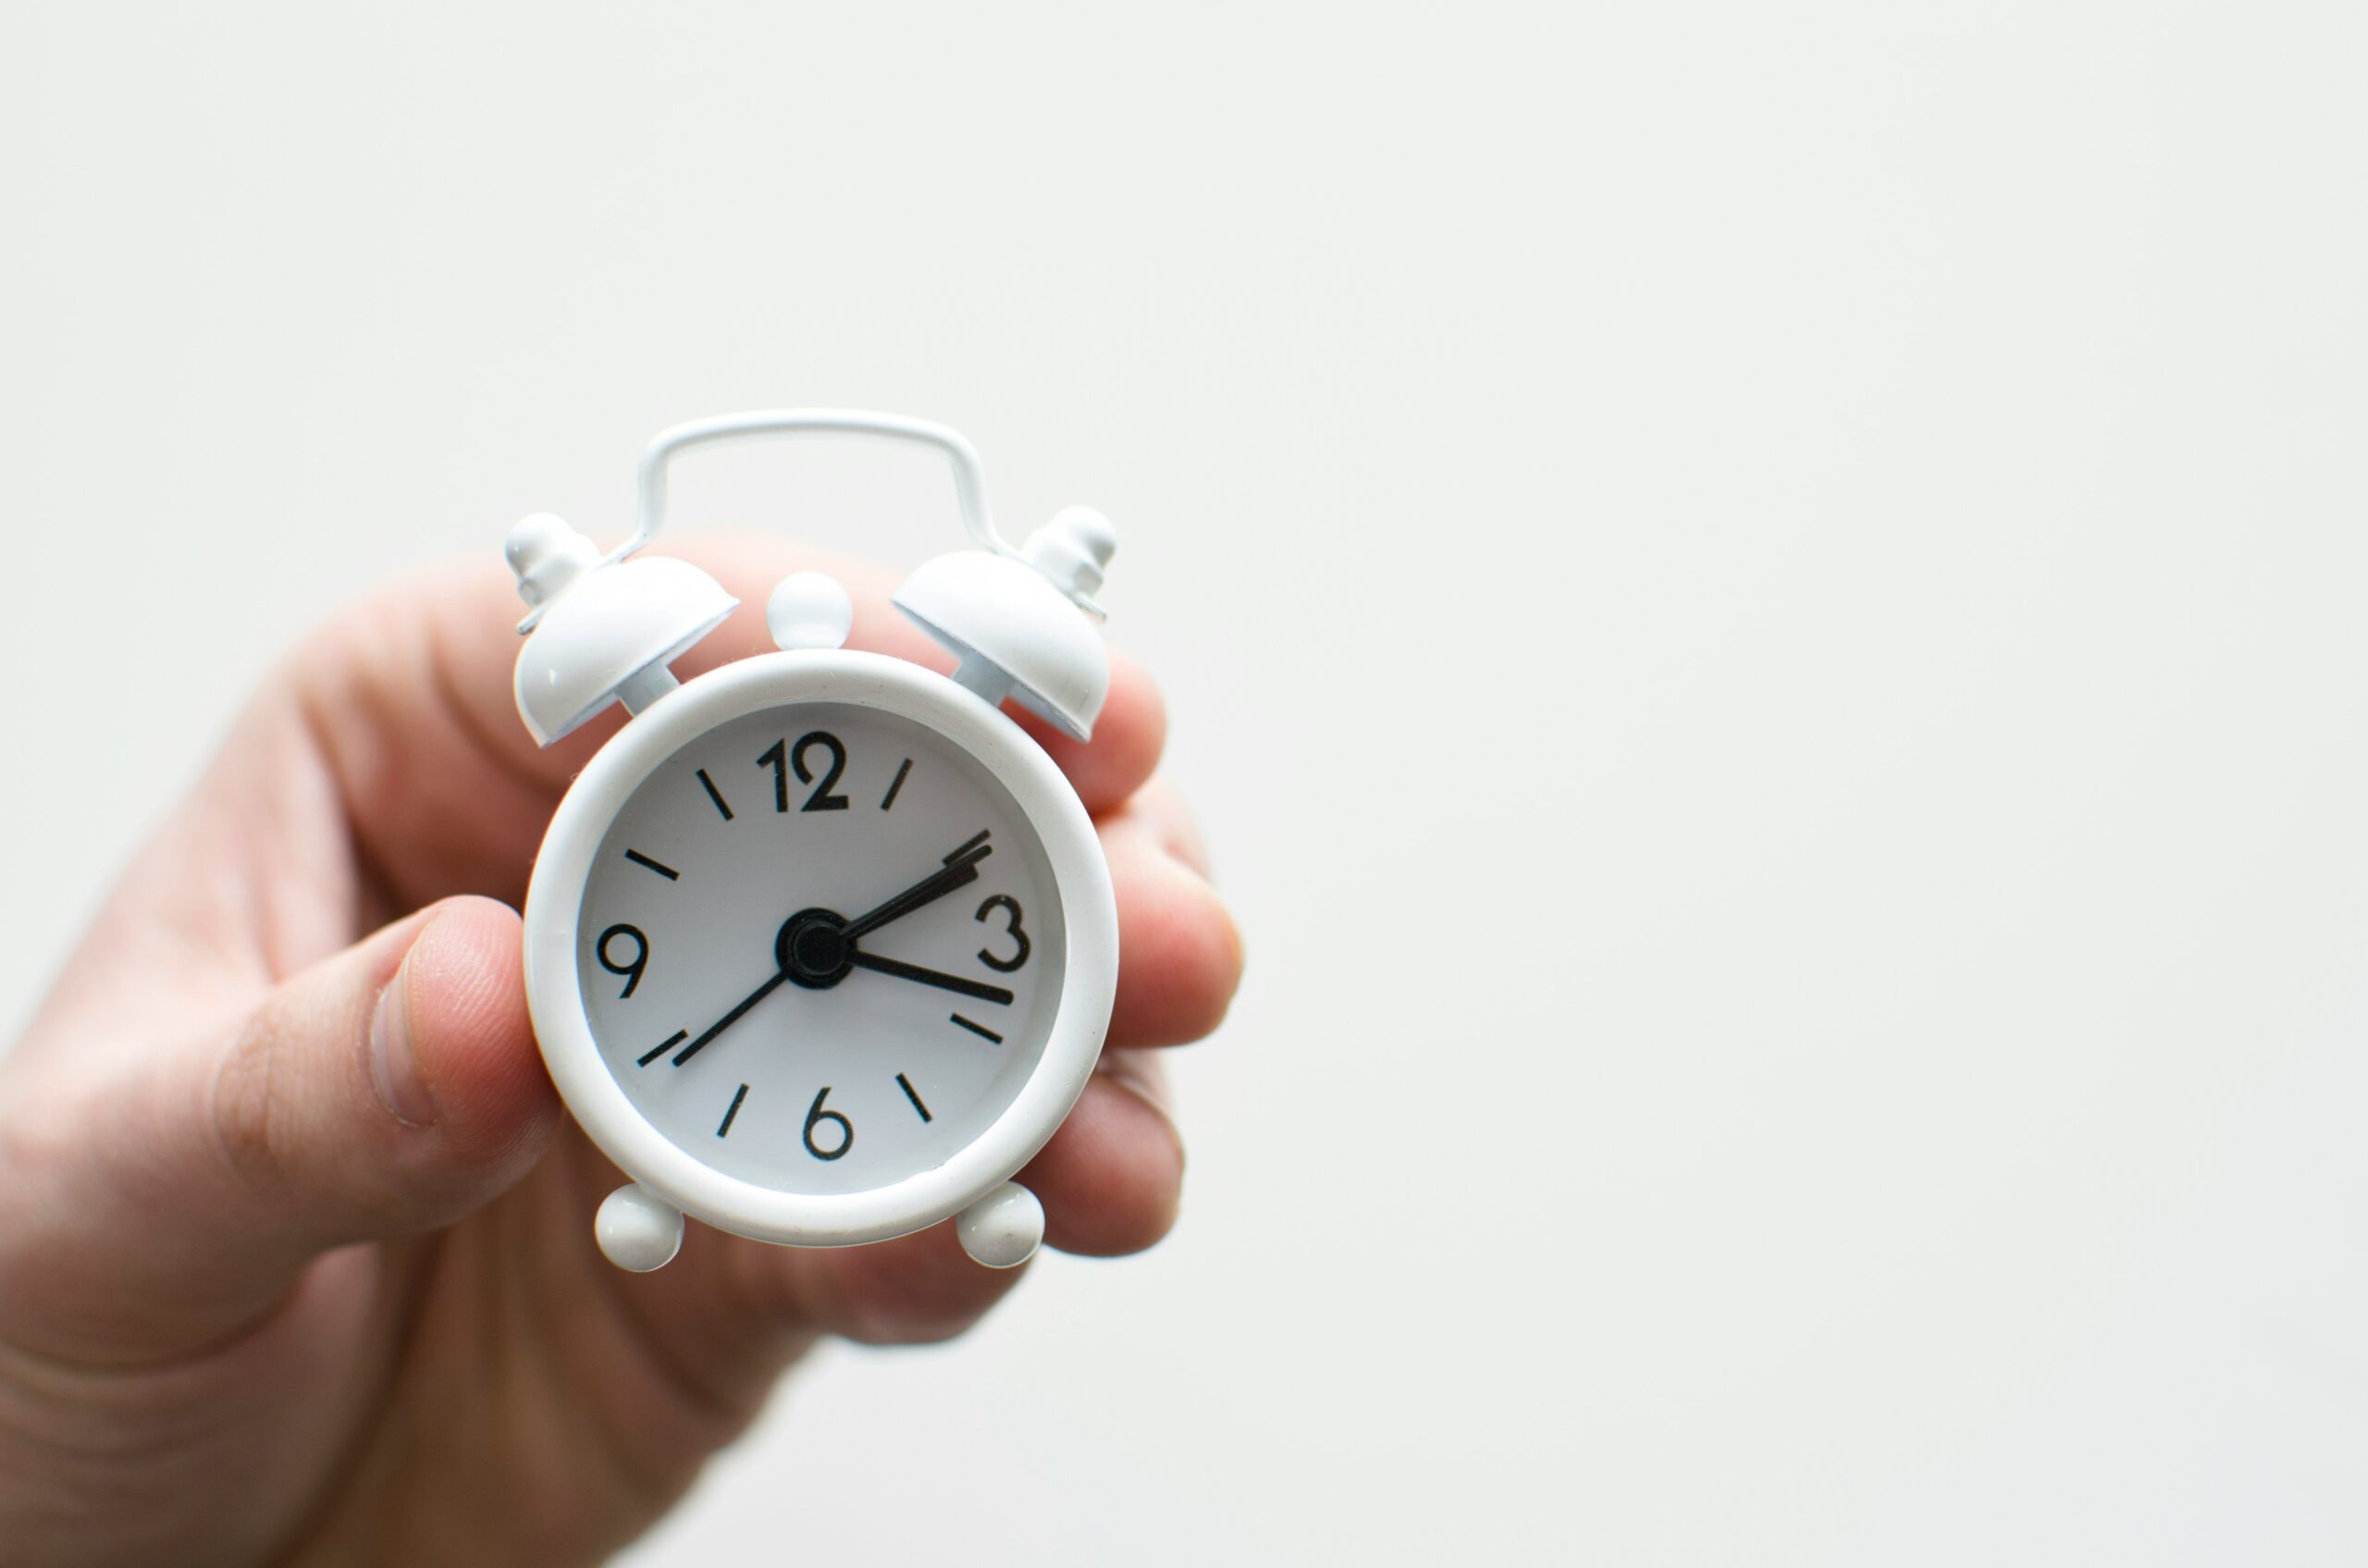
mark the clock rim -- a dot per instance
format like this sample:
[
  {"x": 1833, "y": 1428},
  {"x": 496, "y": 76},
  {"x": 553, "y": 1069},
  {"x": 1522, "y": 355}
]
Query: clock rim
[{"x": 553, "y": 917}]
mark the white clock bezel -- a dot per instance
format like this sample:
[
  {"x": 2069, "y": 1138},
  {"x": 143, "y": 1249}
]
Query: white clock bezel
[{"x": 1082, "y": 881}]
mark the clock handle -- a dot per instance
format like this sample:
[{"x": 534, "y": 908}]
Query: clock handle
[{"x": 969, "y": 479}]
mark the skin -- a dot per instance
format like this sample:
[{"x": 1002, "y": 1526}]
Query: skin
[{"x": 250, "y": 1313}]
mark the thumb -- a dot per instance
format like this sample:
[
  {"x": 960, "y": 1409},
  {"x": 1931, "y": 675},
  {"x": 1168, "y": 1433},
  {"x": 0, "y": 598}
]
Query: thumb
[{"x": 387, "y": 1090}]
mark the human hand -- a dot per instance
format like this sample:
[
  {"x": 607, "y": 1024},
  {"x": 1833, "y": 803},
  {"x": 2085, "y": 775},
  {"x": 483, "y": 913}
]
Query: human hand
[{"x": 296, "y": 1254}]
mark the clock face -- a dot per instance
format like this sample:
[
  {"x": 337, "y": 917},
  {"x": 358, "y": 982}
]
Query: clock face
[{"x": 820, "y": 949}]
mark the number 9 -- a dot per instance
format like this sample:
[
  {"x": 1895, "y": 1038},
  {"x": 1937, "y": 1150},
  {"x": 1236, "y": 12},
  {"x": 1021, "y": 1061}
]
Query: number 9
[{"x": 632, "y": 971}]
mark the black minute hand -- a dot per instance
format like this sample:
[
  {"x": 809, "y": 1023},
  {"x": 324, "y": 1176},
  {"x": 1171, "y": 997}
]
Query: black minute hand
[
  {"x": 953, "y": 982},
  {"x": 728, "y": 1020},
  {"x": 961, "y": 867}
]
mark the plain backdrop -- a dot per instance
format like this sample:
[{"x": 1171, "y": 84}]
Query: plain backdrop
[{"x": 1762, "y": 603}]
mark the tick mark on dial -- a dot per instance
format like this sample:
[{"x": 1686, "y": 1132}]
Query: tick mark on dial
[
  {"x": 905, "y": 1084},
  {"x": 982, "y": 1030},
  {"x": 715, "y": 795},
  {"x": 638, "y": 859},
  {"x": 889, "y": 798},
  {"x": 732, "y": 1111},
  {"x": 662, "y": 1047}
]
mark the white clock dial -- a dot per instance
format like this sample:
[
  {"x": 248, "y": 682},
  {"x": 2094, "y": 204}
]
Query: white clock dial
[{"x": 820, "y": 949}]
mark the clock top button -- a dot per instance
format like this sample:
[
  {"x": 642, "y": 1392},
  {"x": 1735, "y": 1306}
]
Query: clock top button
[{"x": 809, "y": 611}]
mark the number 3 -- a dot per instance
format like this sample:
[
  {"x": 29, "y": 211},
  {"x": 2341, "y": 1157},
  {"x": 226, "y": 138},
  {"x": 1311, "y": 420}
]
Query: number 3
[{"x": 1002, "y": 901}]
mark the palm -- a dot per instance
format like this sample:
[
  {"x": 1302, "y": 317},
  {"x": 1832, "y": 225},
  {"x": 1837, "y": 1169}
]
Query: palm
[{"x": 477, "y": 1383}]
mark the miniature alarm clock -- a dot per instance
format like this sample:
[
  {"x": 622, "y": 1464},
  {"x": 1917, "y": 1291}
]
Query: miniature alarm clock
[{"x": 821, "y": 946}]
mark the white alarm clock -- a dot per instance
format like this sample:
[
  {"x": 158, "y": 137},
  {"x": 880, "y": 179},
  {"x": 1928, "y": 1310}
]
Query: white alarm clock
[{"x": 821, "y": 947}]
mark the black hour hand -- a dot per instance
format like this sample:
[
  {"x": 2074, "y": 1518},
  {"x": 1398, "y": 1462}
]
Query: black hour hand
[{"x": 961, "y": 867}]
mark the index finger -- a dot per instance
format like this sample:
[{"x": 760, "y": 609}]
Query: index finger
[{"x": 409, "y": 698}]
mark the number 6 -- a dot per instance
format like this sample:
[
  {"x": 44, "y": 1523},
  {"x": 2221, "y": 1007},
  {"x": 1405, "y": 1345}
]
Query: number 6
[{"x": 815, "y": 1113}]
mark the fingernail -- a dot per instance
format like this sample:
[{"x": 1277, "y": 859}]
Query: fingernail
[
  {"x": 1122, "y": 1069},
  {"x": 394, "y": 1063},
  {"x": 1233, "y": 927}
]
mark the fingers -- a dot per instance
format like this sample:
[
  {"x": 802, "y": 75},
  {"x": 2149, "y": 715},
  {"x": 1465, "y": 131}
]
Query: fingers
[
  {"x": 1112, "y": 1177},
  {"x": 1127, "y": 742},
  {"x": 916, "y": 1289},
  {"x": 1180, "y": 954},
  {"x": 410, "y": 697},
  {"x": 384, "y": 1091}
]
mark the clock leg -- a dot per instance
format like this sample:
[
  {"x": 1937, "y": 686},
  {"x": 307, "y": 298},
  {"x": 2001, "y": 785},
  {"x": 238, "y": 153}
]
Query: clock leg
[
  {"x": 638, "y": 1229},
  {"x": 1002, "y": 1228}
]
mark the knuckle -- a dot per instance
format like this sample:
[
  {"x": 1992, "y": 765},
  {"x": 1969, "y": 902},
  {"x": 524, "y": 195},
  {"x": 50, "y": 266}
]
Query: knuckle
[
  {"x": 246, "y": 1094},
  {"x": 33, "y": 1150}
]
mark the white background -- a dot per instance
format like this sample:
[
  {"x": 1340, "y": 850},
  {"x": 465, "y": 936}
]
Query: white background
[{"x": 1762, "y": 604}]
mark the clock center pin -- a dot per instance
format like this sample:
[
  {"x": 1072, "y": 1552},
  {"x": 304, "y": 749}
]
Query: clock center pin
[{"x": 813, "y": 950}]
